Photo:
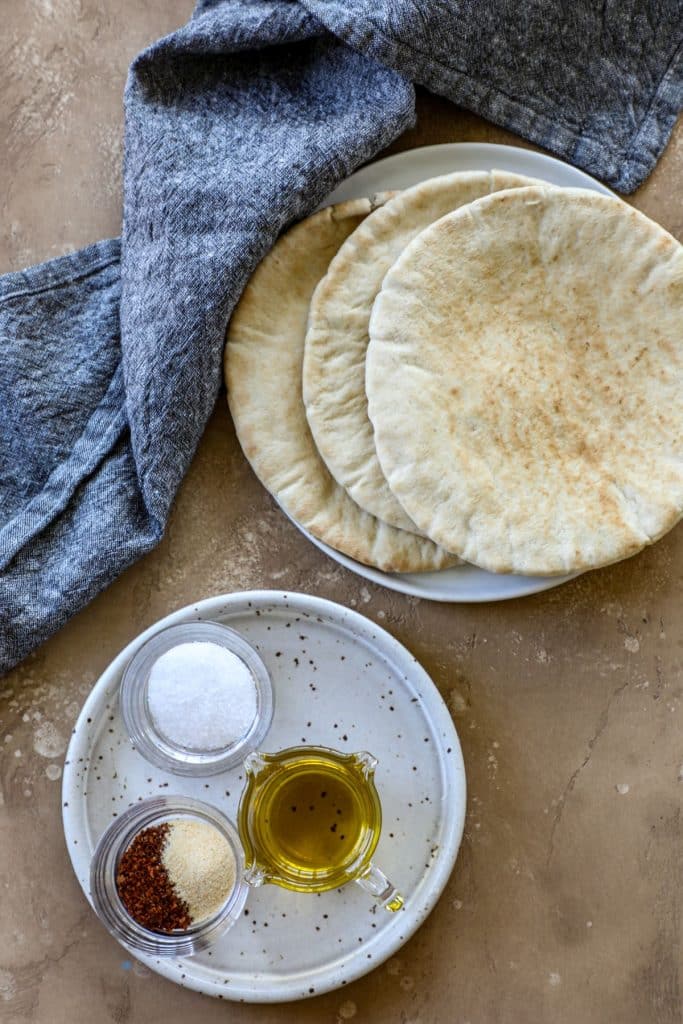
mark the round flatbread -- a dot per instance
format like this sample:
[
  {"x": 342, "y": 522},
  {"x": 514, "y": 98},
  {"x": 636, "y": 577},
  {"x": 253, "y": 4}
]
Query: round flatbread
[
  {"x": 337, "y": 336},
  {"x": 525, "y": 381},
  {"x": 263, "y": 359}
]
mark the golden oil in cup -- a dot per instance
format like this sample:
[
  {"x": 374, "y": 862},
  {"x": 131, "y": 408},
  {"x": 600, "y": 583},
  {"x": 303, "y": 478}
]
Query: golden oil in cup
[{"x": 310, "y": 820}]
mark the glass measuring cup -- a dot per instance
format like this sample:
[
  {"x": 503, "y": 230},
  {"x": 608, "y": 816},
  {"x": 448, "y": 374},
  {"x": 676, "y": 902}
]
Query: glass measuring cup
[{"x": 310, "y": 819}]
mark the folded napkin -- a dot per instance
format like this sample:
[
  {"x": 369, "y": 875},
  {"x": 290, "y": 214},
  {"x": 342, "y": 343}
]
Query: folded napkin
[{"x": 237, "y": 124}]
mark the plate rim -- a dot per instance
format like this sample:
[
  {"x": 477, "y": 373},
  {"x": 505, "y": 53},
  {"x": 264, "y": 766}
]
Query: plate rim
[
  {"x": 473, "y": 149},
  {"x": 74, "y": 820},
  {"x": 412, "y": 584}
]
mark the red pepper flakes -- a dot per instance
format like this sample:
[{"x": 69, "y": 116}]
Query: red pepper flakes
[{"x": 144, "y": 886}]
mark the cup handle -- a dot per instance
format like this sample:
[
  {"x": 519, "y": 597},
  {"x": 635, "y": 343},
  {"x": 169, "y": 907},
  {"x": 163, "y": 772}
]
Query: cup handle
[{"x": 378, "y": 885}]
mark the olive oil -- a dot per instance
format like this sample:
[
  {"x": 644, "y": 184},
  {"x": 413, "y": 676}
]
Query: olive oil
[
  {"x": 311, "y": 820},
  {"x": 314, "y": 818}
]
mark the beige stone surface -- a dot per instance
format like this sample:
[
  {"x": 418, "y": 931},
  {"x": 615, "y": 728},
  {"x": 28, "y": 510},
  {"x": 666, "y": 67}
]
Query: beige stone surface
[{"x": 565, "y": 904}]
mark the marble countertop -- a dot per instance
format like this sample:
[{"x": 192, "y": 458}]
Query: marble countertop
[{"x": 565, "y": 904}]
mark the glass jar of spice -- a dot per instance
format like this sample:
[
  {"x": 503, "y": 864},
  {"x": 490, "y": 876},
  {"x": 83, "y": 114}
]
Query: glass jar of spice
[{"x": 167, "y": 877}]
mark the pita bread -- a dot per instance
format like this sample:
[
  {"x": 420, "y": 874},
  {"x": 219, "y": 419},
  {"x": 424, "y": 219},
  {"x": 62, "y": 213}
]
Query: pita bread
[
  {"x": 263, "y": 375},
  {"x": 337, "y": 336},
  {"x": 525, "y": 381}
]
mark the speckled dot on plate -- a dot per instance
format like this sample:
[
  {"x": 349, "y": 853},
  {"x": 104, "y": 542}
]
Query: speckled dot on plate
[{"x": 339, "y": 681}]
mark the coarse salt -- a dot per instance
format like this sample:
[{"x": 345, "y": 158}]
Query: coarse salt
[{"x": 201, "y": 696}]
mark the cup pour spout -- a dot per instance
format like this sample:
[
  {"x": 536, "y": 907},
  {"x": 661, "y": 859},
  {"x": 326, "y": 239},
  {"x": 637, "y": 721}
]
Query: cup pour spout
[
  {"x": 254, "y": 763},
  {"x": 366, "y": 762},
  {"x": 255, "y": 875}
]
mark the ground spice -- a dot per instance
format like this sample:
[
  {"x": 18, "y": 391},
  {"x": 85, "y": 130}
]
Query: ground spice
[
  {"x": 144, "y": 886},
  {"x": 200, "y": 865}
]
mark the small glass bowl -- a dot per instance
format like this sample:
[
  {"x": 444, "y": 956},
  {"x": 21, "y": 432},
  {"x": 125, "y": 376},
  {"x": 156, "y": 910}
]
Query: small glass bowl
[
  {"x": 157, "y": 748},
  {"x": 104, "y": 894}
]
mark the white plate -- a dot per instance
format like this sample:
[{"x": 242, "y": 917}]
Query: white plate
[
  {"x": 465, "y": 583},
  {"x": 415, "y": 165},
  {"x": 339, "y": 681}
]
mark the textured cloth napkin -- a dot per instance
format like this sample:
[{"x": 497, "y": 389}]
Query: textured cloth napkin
[{"x": 237, "y": 124}]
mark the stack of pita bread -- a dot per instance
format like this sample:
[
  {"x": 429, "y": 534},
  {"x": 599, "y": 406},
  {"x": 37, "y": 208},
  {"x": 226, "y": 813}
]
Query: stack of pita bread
[{"x": 482, "y": 367}]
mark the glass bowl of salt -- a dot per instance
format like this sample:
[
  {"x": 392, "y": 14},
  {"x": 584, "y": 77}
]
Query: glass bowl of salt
[{"x": 196, "y": 698}]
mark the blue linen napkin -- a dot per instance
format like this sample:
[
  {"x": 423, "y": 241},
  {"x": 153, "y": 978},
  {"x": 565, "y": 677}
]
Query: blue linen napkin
[{"x": 236, "y": 125}]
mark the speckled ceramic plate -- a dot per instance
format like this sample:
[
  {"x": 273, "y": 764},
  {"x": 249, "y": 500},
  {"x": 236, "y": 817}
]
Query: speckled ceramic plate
[
  {"x": 339, "y": 681},
  {"x": 466, "y": 583}
]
